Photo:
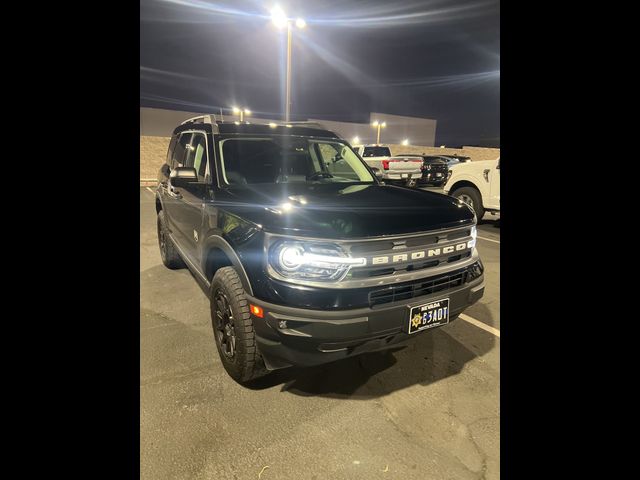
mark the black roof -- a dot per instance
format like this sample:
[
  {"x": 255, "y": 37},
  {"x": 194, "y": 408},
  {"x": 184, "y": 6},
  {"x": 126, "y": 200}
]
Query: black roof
[{"x": 305, "y": 129}]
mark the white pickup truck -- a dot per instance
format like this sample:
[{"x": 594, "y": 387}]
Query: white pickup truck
[
  {"x": 392, "y": 169},
  {"x": 477, "y": 184}
]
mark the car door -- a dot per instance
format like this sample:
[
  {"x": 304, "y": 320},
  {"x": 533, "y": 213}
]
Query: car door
[
  {"x": 170, "y": 196},
  {"x": 189, "y": 204}
]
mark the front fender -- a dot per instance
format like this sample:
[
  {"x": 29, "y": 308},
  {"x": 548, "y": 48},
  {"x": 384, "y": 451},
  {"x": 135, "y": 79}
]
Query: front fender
[{"x": 216, "y": 241}]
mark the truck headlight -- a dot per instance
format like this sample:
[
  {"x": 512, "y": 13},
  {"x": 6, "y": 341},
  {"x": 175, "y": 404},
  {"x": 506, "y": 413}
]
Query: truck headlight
[
  {"x": 474, "y": 235},
  {"x": 311, "y": 261}
]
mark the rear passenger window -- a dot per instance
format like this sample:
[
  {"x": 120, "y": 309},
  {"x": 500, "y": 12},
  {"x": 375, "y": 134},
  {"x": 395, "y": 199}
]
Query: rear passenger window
[{"x": 179, "y": 150}]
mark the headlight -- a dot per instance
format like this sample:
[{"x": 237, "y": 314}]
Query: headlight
[
  {"x": 311, "y": 261},
  {"x": 474, "y": 234}
]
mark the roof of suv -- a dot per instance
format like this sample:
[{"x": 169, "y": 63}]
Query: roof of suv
[{"x": 306, "y": 129}]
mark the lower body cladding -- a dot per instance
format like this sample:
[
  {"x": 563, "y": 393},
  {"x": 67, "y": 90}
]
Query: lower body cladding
[{"x": 289, "y": 336}]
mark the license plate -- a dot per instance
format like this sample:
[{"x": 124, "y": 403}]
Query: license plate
[{"x": 429, "y": 315}]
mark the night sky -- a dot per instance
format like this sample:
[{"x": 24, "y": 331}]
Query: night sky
[{"x": 435, "y": 59}]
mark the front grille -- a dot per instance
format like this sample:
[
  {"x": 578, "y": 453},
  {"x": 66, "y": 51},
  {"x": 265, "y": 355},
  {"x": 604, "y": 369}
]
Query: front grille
[
  {"x": 385, "y": 245},
  {"x": 410, "y": 267},
  {"x": 422, "y": 287},
  {"x": 390, "y": 247}
]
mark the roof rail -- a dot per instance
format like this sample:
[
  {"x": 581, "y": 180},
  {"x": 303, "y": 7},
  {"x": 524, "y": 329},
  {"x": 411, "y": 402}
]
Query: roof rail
[
  {"x": 304, "y": 123},
  {"x": 208, "y": 118}
]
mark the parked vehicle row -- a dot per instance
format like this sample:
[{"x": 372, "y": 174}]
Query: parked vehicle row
[
  {"x": 475, "y": 183},
  {"x": 434, "y": 170},
  {"x": 398, "y": 169}
]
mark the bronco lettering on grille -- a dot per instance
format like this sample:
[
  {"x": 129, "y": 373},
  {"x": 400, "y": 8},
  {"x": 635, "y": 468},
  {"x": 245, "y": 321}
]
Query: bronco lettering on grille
[{"x": 432, "y": 252}]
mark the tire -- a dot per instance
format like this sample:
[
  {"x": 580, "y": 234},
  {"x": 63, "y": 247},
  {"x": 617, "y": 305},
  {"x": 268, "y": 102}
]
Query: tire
[
  {"x": 170, "y": 257},
  {"x": 471, "y": 197},
  {"x": 233, "y": 328}
]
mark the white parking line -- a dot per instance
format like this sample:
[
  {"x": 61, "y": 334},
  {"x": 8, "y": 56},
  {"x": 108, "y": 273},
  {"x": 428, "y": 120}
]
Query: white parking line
[
  {"x": 489, "y": 239},
  {"x": 479, "y": 324},
  {"x": 152, "y": 192}
]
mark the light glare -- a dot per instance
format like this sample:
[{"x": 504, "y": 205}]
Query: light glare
[
  {"x": 300, "y": 23},
  {"x": 278, "y": 17}
]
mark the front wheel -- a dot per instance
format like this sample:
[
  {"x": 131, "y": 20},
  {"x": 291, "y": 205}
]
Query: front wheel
[
  {"x": 471, "y": 197},
  {"x": 233, "y": 328}
]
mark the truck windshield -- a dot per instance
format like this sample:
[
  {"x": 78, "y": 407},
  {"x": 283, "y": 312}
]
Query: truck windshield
[
  {"x": 376, "y": 152},
  {"x": 276, "y": 159}
]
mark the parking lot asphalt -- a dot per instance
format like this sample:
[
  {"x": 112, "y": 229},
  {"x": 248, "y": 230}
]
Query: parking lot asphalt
[{"x": 428, "y": 411}]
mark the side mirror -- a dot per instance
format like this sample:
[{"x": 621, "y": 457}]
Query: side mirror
[{"x": 181, "y": 176}]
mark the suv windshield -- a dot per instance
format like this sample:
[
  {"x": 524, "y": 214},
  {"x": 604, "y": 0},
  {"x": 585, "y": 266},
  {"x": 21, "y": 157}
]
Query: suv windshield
[
  {"x": 376, "y": 152},
  {"x": 248, "y": 160}
]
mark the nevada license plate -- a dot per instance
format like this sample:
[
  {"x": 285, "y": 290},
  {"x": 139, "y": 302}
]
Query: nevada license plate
[{"x": 429, "y": 315}]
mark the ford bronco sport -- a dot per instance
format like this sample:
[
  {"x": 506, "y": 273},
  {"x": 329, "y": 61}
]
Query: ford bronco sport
[{"x": 305, "y": 256}]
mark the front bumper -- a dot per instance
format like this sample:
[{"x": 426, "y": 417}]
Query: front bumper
[{"x": 289, "y": 336}]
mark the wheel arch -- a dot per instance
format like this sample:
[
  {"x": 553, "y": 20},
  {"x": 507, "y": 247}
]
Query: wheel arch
[
  {"x": 464, "y": 183},
  {"x": 219, "y": 253}
]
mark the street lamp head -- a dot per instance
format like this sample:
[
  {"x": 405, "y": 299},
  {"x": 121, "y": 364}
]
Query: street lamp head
[
  {"x": 405, "y": 141},
  {"x": 278, "y": 17},
  {"x": 383, "y": 124},
  {"x": 376, "y": 123},
  {"x": 300, "y": 23},
  {"x": 247, "y": 111},
  {"x": 236, "y": 110}
]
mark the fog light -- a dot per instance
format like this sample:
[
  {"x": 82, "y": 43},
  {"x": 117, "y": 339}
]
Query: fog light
[{"x": 475, "y": 270}]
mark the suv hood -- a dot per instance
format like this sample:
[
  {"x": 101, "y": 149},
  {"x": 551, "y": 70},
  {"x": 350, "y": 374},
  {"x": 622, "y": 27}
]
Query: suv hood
[{"x": 344, "y": 211}]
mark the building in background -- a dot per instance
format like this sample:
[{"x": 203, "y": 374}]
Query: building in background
[{"x": 157, "y": 122}]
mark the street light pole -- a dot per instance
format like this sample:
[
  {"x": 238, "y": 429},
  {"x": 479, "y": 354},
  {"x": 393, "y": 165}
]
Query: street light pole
[
  {"x": 379, "y": 125},
  {"x": 281, "y": 20},
  {"x": 287, "y": 109}
]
